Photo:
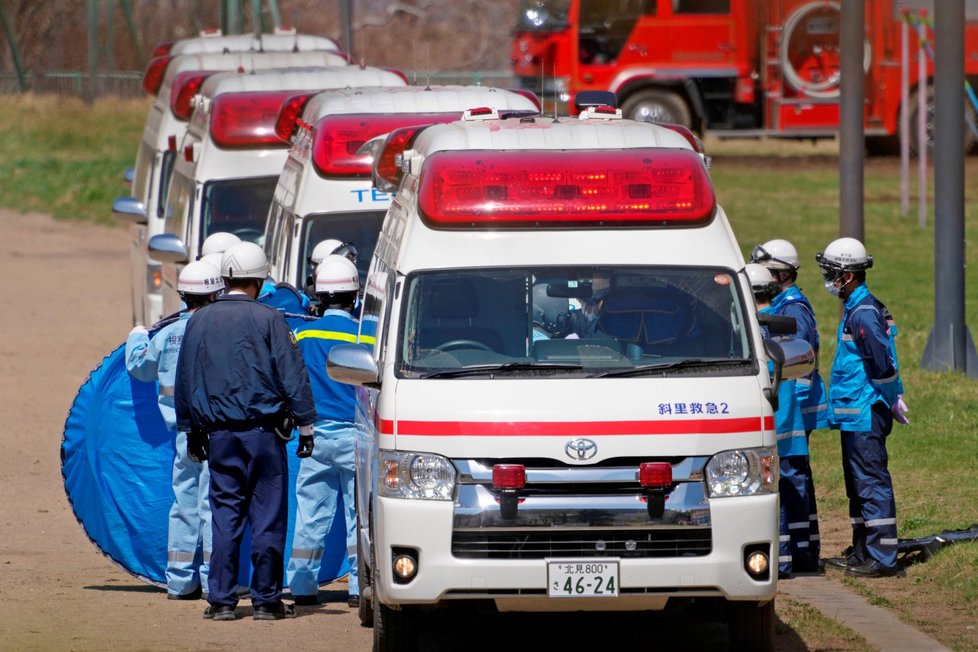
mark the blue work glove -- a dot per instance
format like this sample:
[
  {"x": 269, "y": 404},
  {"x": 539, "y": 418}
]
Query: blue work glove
[
  {"x": 305, "y": 442},
  {"x": 197, "y": 447}
]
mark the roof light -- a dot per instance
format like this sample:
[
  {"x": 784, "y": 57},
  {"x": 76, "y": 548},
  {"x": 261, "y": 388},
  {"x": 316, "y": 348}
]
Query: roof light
[
  {"x": 185, "y": 86},
  {"x": 655, "y": 475},
  {"x": 686, "y": 133},
  {"x": 627, "y": 187},
  {"x": 153, "y": 77},
  {"x": 530, "y": 95},
  {"x": 480, "y": 113},
  {"x": 283, "y": 30},
  {"x": 210, "y": 32},
  {"x": 387, "y": 168},
  {"x": 188, "y": 153},
  {"x": 337, "y": 139},
  {"x": 288, "y": 115},
  {"x": 162, "y": 49},
  {"x": 602, "y": 112},
  {"x": 247, "y": 120},
  {"x": 508, "y": 476}
]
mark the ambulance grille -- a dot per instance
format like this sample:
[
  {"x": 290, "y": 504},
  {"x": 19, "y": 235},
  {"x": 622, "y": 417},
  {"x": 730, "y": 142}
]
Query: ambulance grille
[{"x": 641, "y": 544}]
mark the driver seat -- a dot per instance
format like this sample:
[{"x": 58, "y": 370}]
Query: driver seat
[{"x": 451, "y": 311}]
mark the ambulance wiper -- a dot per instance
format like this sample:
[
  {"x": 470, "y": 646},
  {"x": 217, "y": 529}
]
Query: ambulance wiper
[
  {"x": 661, "y": 367},
  {"x": 483, "y": 369}
]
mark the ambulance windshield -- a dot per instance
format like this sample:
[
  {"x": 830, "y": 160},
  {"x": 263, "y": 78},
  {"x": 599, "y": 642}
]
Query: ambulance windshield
[
  {"x": 574, "y": 322},
  {"x": 360, "y": 228},
  {"x": 238, "y": 206}
]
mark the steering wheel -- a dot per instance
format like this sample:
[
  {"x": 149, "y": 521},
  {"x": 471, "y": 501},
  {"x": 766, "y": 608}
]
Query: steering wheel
[{"x": 451, "y": 345}]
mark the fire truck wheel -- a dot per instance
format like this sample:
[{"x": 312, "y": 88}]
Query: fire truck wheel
[
  {"x": 751, "y": 626},
  {"x": 394, "y": 630},
  {"x": 968, "y": 135},
  {"x": 657, "y": 105}
]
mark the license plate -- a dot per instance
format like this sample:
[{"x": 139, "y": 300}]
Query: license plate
[{"x": 582, "y": 579}]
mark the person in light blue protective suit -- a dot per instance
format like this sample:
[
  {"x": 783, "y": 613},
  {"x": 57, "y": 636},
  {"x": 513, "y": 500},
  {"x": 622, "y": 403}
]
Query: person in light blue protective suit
[
  {"x": 155, "y": 359},
  {"x": 865, "y": 396},
  {"x": 329, "y": 473},
  {"x": 802, "y": 408}
]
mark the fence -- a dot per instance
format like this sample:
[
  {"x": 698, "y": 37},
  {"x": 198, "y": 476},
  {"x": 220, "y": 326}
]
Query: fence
[{"x": 130, "y": 84}]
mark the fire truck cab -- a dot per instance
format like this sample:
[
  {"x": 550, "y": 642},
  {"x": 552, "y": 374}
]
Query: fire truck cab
[
  {"x": 173, "y": 81},
  {"x": 731, "y": 67},
  {"x": 325, "y": 189},
  {"x": 566, "y": 407},
  {"x": 230, "y": 159}
]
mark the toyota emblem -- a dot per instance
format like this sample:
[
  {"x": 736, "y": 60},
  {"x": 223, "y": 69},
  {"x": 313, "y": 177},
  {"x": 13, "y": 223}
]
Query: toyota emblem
[{"x": 581, "y": 449}]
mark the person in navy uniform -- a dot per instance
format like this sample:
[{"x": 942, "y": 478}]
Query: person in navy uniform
[
  {"x": 865, "y": 396},
  {"x": 802, "y": 408},
  {"x": 240, "y": 377}
]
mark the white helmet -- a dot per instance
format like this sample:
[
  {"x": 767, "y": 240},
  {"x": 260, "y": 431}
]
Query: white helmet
[
  {"x": 244, "y": 260},
  {"x": 337, "y": 274},
  {"x": 843, "y": 255},
  {"x": 200, "y": 277},
  {"x": 760, "y": 278},
  {"x": 776, "y": 254},
  {"x": 214, "y": 259},
  {"x": 218, "y": 243},
  {"x": 323, "y": 249}
]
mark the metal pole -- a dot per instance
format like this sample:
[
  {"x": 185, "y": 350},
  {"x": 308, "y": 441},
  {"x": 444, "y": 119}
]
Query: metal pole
[
  {"x": 276, "y": 15},
  {"x": 14, "y": 49},
  {"x": 851, "y": 127},
  {"x": 949, "y": 346},
  {"x": 133, "y": 32},
  {"x": 905, "y": 114},
  {"x": 346, "y": 19},
  {"x": 257, "y": 23},
  {"x": 923, "y": 139},
  {"x": 92, "y": 49}
]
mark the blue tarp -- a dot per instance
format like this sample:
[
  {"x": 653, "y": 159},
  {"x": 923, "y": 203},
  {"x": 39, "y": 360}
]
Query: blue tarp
[{"x": 117, "y": 459}]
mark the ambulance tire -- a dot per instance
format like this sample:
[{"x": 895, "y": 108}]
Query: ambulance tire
[
  {"x": 657, "y": 105},
  {"x": 968, "y": 136},
  {"x": 394, "y": 630},
  {"x": 751, "y": 626}
]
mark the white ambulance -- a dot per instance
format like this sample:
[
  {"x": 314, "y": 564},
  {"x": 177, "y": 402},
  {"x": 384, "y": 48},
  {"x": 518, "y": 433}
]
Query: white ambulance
[
  {"x": 568, "y": 405},
  {"x": 175, "y": 84},
  {"x": 281, "y": 39},
  {"x": 230, "y": 159},
  {"x": 325, "y": 189}
]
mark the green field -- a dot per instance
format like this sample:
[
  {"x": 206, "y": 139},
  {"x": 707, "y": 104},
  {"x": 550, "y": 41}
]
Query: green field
[{"x": 66, "y": 159}]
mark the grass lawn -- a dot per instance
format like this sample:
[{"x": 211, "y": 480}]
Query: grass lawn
[{"x": 64, "y": 158}]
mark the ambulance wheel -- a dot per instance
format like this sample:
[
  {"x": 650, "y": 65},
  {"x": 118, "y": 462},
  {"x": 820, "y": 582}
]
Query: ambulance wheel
[
  {"x": 656, "y": 105},
  {"x": 394, "y": 630},
  {"x": 751, "y": 626}
]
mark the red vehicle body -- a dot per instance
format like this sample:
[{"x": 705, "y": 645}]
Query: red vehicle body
[{"x": 730, "y": 67}]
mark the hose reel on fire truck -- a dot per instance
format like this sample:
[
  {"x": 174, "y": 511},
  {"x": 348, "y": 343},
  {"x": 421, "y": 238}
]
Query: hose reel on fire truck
[{"x": 809, "y": 49}]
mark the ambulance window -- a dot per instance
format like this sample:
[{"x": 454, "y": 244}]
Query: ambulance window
[
  {"x": 143, "y": 171},
  {"x": 359, "y": 227},
  {"x": 379, "y": 287},
  {"x": 178, "y": 204},
  {"x": 574, "y": 321},
  {"x": 701, "y": 6},
  {"x": 238, "y": 206},
  {"x": 166, "y": 172}
]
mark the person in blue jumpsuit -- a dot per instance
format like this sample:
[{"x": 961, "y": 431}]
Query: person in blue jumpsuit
[
  {"x": 329, "y": 473},
  {"x": 240, "y": 378},
  {"x": 154, "y": 359},
  {"x": 802, "y": 408},
  {"x": 865, "y": 396}
]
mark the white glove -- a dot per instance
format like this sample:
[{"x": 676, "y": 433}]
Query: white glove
[
  {"x": 305, "y": 431},
  {"x": 900, "y": 411},
  {"x": 139, "y": 329}
]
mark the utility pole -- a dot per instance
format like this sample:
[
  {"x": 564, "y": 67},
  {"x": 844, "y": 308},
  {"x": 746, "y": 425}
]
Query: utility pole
[
  {"x": 852, "y": 88},
  {"x": 346, "y": 19},
  {"x": 949, "y": 346}
]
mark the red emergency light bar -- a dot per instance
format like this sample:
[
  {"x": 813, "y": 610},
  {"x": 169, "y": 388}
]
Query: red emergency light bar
[
  {"x": 185, "y": 85},
  {"x": 385, "y": 167},
  {"x": 162, "y": 49},
  {"x": 530, "y": 95},
  {"x": 153, "y": 77},
  {"x": 247, "y": 120},
  {"x": 337, "y": 139},
  {"x": 686, "y": 133},
  {"x": 561, "y": 188},
  {"x": 288, "y": 115}
]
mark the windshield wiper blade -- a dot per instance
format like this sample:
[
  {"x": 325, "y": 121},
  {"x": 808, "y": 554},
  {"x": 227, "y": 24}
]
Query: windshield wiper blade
[
  {"x": 475, "y": 370},
  {"x": 661, "y": 367}
]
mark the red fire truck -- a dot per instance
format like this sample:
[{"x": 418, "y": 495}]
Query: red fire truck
[{"x": 730, "y": 67}]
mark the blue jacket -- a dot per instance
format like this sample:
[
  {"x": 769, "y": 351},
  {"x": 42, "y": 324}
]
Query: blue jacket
[
  {"x": 286, "y": 299},
  {"x": 809, "y": 390},
  {"x": 865, "y": 370},
  {"x": 239, "y": 366},
  {"x": 788, "y": 423},
  {"x": 155, "y": 360},
  {"x": 335, "y": 401}
]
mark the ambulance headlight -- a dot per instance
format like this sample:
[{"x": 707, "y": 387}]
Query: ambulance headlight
[
  {"x": 743, "y": 472},
  {"x": 418, "y": 476}
]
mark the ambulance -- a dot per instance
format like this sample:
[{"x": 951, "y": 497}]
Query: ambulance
[
  {"x": 568, "y": 405},
  {"x": 281, "y": 39},
  {"x": 172, "y": 86},
  {"x": 230, "y": 159},
  {"x": 325, "y": 189}
]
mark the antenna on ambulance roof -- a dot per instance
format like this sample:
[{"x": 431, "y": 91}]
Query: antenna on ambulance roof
[
  {"x": 555, "y": 90},
  {"x": 427, "y": 65}
]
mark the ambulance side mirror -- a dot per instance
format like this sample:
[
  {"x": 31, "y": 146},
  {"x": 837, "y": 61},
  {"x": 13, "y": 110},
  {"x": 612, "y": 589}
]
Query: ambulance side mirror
[
  {"x": 778, "y": 324},
  {"x": 167, "y": 248},
  {"x": 129, "y": 209},
  {"x": 788, "y": 359},
  {"x": 352, "y": 364}
]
